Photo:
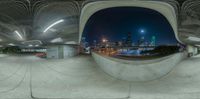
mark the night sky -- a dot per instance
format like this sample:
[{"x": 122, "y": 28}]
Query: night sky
[{"x": 115, "y": 23}]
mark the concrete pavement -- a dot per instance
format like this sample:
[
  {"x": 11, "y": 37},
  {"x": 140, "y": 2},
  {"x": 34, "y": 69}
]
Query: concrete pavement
[{"x": 79, "y": 77}]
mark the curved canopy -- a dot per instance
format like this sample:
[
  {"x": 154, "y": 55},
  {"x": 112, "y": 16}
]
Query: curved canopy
[
  {"x": 26, "y": 20},
  {"x": 164, "y": 8},
  {"x": 38, "y": 20}
]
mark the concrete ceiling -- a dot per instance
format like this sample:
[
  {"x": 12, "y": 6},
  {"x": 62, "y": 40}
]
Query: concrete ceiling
[
  {"x": 189, "y": 27},
  {"x": 26, "y": 20}
]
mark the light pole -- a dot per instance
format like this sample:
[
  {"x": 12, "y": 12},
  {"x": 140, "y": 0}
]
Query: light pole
[
  {"x": 104, "y": 43},
  {"x": 104, "y": 40}
]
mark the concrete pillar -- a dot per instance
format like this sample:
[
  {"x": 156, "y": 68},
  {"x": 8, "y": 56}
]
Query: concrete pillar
[
  {"x": 70, "y": 51},
  {"x": 192, "y": 50},
  {"x": 61, "y": 51}
]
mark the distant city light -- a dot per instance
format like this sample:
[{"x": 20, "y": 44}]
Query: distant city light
[
  {"x": 18, "y": 34},
  {"x": 104, "y": 40},
  {"x": 55, "y": 23}
]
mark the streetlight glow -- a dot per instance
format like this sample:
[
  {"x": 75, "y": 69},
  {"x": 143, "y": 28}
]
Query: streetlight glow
[
  {"x": 52, "y": 25},
  {"x": 104, "y": 40}
]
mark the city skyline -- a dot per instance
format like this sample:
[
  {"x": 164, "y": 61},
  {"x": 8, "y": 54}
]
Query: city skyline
[{"x": 114, "y": 24}]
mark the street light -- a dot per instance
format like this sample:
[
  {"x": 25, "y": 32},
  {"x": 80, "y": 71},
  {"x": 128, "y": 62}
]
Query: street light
[
  {"x": 104, "y": 40},
  {"x": 52, "y": 25}
]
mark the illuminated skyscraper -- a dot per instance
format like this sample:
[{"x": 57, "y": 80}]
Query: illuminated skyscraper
[
  {"x": 84, "y": 43},
  {"x": 142, "y": 41},
  {"x": 153, "y": 41},
  {"x": 129, "y": 40}
]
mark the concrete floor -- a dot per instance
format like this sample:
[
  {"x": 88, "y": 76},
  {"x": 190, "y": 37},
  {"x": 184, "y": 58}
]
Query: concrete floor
[{"x": 79, "y": 77}]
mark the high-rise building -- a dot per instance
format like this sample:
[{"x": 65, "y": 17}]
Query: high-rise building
[
  {"x": 95, "y": 43},
  {"x": 84, "y": 43},
  {"x": 129, "y": 40},
  {"x": 153, "y": 41},
  {"x": 141, "y": 41}
]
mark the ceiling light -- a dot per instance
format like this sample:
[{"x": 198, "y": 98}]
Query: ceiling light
[
  {"x": 18, "y": 34},
  {"x": 11, "y": 44},
  {"x": 34, "y": 42},
  {"x": 57, "y": 40},
  {"x": 197, "y": 45},
  {"x": 196, "y": 39},
  {"x": 37, "y": 45},
  {"x": 70, "y": 42},
  {"x": 57, "y": 22},
  {"x": 30, "y": 45}
]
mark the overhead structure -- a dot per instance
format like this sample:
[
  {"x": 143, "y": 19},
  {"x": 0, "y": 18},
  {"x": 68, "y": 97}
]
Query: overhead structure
[
  {"x": 166, "y": 9},
  {"x": 27, "y": 20},
  {"x": 189, "y": 30},
  {"x": 41, "y": 20}
]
